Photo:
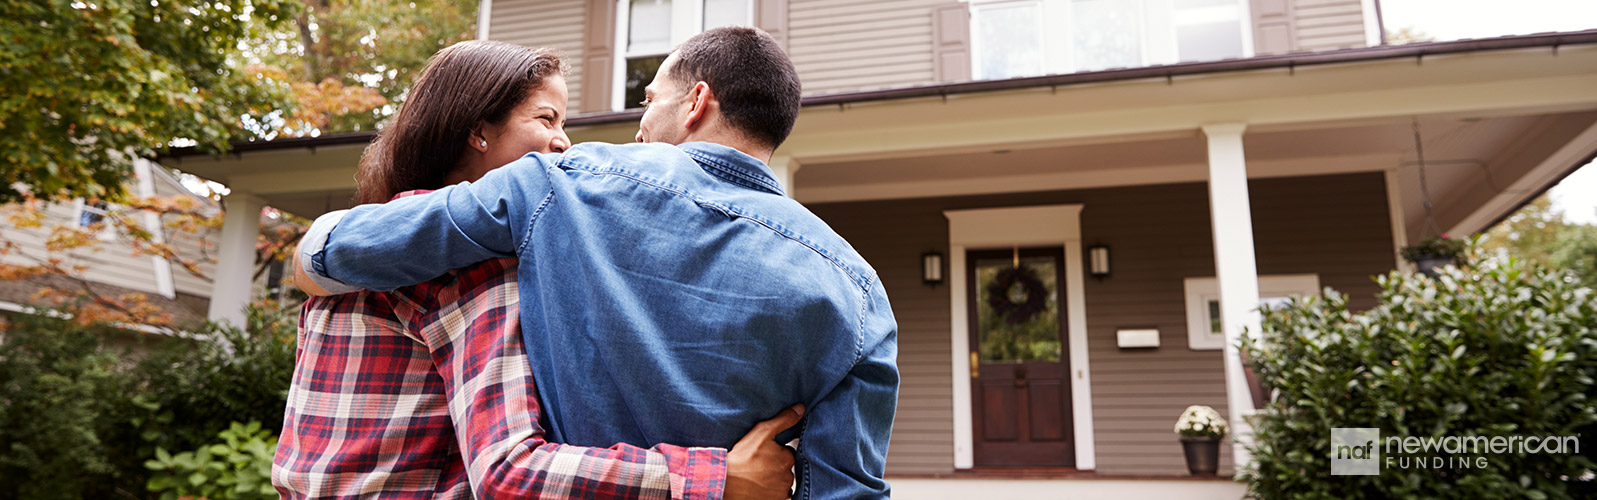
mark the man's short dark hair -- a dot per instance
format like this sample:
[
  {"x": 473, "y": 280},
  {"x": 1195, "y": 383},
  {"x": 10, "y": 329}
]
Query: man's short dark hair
[{"x": 749, "y": 73}]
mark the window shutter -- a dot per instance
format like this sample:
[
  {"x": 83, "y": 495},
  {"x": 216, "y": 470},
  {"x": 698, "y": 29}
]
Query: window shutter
[
  {"x": 951, "y": 42},
  {"x": 1272, "y": 27},
  {"x": 771, "y": 16},
  {"x": 598, "y": 56}
]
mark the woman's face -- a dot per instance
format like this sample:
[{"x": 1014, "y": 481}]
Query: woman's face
[{"x": 538, "y": 125}]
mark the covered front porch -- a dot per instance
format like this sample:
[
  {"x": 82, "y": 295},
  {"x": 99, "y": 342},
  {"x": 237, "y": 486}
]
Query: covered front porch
[{"x": 1247, "y": 174}]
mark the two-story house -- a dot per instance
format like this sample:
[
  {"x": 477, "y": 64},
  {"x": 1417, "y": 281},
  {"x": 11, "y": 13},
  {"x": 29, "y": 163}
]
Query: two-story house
[{"x": 1158, "y": 168}]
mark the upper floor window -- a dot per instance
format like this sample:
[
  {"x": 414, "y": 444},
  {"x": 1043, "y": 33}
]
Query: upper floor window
[
  {"x": 649, "y": 29},
  {"x": 1017, "y": 38},
  {"x": 91, "y": 213}
]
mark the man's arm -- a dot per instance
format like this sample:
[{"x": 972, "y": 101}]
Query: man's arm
[
  {"x": 844, "y": 450},
  {"x": 414, "y": 239}
]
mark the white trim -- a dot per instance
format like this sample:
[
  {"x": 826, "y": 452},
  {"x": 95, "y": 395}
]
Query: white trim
[
  {"x": 1086, "y": 179},
  {"x": 152, "y": 222},
  {"x": 27, "y": 309},
  {"x": 485, "y": 9},
  {"x": 1567, "y": 157},
  {"x": 1399, "y": 217},
  {"x": 1372, "y": 29},
  {"x": 1020, "y": 226},
  {"x": 1200, "y": 290},
  {"x": 785, "y": 168},
  {"x": 1236, "y": 268}
]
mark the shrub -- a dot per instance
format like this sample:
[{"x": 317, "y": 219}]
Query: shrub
[
  {"x": 1499, "y": 350},
  {"x": 240, "y": 467},
  {"x": 78, "y": 419},
  {"x": 57, "y": 385}
]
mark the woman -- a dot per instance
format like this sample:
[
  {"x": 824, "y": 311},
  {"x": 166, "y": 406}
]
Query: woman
[{"x": 426, "y": 391}]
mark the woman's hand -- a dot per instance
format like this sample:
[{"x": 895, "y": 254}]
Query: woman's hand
[{"x": 757, "y": 468}]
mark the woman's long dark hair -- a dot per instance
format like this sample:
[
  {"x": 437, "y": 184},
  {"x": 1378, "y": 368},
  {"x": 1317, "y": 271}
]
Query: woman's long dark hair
[{"x": 466, "y": 84}]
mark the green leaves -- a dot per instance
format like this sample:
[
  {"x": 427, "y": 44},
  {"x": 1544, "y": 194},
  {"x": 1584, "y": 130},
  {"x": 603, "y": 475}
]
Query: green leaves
[
  {"x": 238, "y": 468},
  {"x": 103, "y": 82},
  {"x": 1502, "y": 348}
]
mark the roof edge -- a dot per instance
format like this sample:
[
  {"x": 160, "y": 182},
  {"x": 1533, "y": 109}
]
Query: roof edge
[{"x": 1381, "y": 52}]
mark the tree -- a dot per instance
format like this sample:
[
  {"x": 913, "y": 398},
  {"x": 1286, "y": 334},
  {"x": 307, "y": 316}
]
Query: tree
[
  {"x": 1539, "y": 233},
  {"x": 349, "y": 63},
  {"x": 92, "y": 85}
]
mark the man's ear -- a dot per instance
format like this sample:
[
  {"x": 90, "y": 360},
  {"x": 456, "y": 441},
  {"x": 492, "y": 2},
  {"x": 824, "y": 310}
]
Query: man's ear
[{"x": 699, "y": 98}]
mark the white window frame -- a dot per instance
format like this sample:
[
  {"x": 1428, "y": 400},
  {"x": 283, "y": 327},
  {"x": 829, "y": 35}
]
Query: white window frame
[
  {"x": 687, "y": 19},
  {"x": 1058, "y": 52},
  {"x": 106, "y": 233},
  {"x": 1200, "y": 291}
]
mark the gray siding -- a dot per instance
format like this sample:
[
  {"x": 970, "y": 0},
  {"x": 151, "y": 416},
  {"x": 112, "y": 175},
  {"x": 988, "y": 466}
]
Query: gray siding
[
  {"x": 848, "y": 45},
  {"x": 1328, "y": 24},
  {"x": 111, "y": 262},
  {"x": 852, "y": 45},
  {"x": 1335, "y": 226},
  {"x": 199, "y": 247},
  {"x": 556, "y": 24}
]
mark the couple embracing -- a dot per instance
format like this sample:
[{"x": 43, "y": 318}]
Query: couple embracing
[{"x": 649, "y": 320}]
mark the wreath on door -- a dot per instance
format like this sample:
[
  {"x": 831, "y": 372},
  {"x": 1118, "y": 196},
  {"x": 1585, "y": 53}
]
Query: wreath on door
[{"x": 1017, "y": 294}]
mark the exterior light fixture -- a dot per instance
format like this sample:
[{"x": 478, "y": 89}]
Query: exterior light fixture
[
  {"x": 1098, "y": 259},
  {"x": 931, "y": 268}
]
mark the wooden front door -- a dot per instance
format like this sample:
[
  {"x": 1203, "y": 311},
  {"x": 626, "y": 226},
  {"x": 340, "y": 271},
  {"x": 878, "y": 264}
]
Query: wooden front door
[{"x": 1020, "y": 384}]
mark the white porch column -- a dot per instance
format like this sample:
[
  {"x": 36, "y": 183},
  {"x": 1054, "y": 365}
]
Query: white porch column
[
  {"x": 235, "y": 263},
  {"x": 1235, "y": 269},
  {"x": 785, "y": 167}
]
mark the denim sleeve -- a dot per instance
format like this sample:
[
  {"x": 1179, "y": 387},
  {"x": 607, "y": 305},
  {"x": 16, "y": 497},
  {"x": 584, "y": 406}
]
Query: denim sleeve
[
  {"x": 417, "y": 238},
  {"x": 844, "y": 450}
]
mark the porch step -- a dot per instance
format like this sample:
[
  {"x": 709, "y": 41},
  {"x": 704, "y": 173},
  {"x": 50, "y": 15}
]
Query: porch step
[{"x": 1026, "y": 489}]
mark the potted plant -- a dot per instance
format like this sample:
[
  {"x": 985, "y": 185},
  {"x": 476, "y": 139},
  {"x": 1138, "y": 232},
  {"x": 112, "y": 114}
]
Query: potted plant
[
  {"x": 1201, "y": 429},
  {"x": 1434, "y": 253}
]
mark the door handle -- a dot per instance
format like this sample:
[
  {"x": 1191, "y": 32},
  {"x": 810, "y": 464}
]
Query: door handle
[{"x": 975, "y": 371}]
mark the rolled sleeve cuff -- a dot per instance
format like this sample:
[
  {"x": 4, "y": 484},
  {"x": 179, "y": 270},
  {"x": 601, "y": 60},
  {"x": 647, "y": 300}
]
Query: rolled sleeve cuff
[
  {"x": 311, "y": 254},
  {"x": 696, "y": 473}
]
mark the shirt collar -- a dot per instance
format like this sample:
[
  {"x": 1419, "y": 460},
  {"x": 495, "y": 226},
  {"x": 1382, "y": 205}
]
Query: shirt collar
[{"x": 733, "y": 165}]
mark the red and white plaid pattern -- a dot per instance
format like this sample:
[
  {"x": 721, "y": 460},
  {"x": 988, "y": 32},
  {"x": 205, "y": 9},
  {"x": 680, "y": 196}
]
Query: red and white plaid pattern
[{"x": 409, "y": 393}]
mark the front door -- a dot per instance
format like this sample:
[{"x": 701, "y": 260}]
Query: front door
[{"x": 1020, "y": 386}]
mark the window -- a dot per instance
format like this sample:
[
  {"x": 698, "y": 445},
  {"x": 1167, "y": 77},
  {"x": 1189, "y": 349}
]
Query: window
[
  {"x": 93, "y": 213},
  {"x": 1203, "y": 304},
  {"x": 651, "y": 28},
  {"x": 1012, "y": 38}
]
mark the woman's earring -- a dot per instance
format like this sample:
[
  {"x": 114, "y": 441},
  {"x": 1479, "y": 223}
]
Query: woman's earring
[{"x": 485, "y": 144}]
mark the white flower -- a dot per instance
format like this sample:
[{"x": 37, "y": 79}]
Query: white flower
[{"x": 1201, "y": 420}]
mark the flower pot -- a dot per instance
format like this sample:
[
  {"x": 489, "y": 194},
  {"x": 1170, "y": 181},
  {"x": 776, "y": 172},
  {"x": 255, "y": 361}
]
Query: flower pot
[
  {"x": 1431, "y": 265},
  {"x": 1203, "y": 455}
]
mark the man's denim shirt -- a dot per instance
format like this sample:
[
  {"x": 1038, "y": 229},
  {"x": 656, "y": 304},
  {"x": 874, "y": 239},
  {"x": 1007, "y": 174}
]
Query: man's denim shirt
[{"x": 669, "y": 294}]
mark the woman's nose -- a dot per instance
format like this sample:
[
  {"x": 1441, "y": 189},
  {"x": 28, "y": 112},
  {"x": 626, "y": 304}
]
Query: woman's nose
[{"x": 561, "y": 142}]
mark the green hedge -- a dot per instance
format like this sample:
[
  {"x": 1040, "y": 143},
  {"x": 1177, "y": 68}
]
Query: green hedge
[
  {"x": 1500, "y": 350},
  {"x": 79, "y": 419}
]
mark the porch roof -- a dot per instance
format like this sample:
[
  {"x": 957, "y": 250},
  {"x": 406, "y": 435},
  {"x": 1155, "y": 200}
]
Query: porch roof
[{"x": 1525, "y": 76}]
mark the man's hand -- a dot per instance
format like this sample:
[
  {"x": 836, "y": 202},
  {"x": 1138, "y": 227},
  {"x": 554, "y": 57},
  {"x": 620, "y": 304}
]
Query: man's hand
[
  {"x": 757, "y": 468},
  {"x": 303, "y": 281}
]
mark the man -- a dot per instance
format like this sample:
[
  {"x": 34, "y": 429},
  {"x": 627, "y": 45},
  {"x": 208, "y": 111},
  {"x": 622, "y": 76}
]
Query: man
[{"x": 669, "y": 292}]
